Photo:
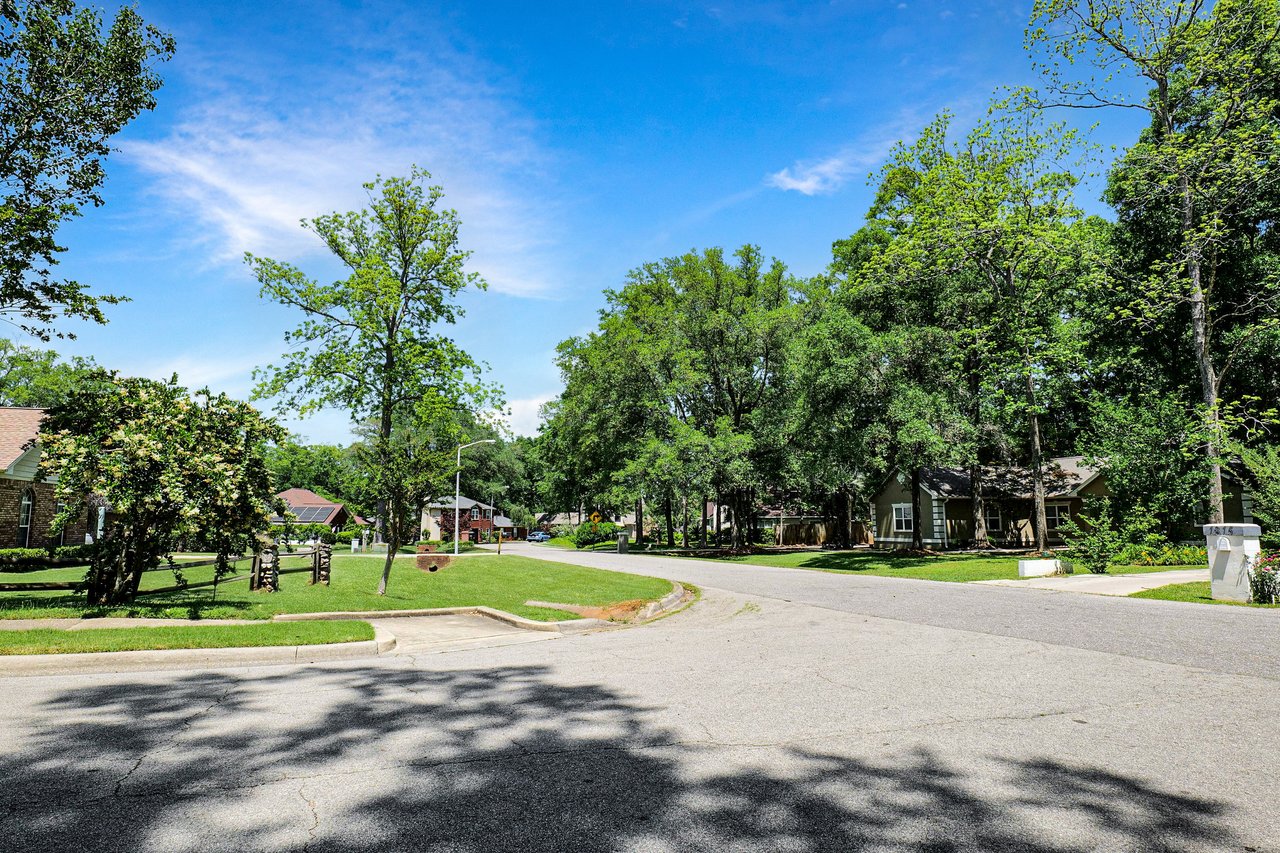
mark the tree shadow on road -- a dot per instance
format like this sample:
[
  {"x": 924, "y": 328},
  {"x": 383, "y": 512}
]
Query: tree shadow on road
[{"x": 516, "y": 758}]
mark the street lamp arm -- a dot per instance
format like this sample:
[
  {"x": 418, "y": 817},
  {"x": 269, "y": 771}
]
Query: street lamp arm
[{"x": 457, "y": 489}]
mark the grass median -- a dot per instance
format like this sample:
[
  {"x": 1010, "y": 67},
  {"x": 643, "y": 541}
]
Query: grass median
[
  {"x": 45, "y": 641},
  {"x": 1197, "y": 592},
  {"x": 957, "y": 568},
  {"x": 504, "y": 582}
]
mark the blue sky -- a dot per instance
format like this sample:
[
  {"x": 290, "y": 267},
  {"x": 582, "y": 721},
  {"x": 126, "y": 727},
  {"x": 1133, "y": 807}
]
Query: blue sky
[{"x": 576, "y": 140}]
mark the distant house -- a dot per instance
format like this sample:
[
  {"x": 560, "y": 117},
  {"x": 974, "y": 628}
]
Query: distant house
[
  {"x": 472, "y": 515},
  {"x": 28, "y": 504},
  {"x": 310, "y": 508},
  {"x": 946, "y": 504}
]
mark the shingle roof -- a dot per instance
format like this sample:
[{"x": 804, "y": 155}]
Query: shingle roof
[
  {"x": 299, "y": 500},
  {"x": 464, "y": 502},
  {"x": 1064, "y": 476},
  {"x": 305, "y": 497},
  {"x": 17, "y": 427}
]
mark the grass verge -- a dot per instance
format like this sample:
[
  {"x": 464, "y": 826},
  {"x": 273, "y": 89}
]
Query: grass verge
[
  {"x": 504, "y": 582},
  {"x": 958, "y": 568},
  {"x": 1198, "y": 592},
  {"x": 48, "y": 641}
]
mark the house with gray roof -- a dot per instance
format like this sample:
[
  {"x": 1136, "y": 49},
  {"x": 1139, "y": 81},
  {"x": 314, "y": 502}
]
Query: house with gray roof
[{"x": 946, "y": 504}]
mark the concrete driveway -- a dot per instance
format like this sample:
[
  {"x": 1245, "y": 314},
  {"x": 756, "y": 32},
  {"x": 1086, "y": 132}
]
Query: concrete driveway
[{"x": 788, "y": 710}]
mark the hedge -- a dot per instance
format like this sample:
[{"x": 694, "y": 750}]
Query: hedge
[{"x": 34, "y": 559}]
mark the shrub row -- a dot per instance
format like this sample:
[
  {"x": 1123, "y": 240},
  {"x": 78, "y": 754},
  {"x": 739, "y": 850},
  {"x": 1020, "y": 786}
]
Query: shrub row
[
  {"x": 34, "y": 559},
  {"x": 1162, "y": 555}
]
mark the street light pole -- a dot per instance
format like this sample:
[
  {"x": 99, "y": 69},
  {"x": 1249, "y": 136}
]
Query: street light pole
[{"x": 457, "y": 490}]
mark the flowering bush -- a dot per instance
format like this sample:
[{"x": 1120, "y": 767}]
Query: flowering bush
[{"x": 1264, "y": 579}]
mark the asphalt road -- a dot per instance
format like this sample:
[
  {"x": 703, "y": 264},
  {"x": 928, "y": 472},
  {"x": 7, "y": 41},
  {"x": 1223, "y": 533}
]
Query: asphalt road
[{"x": 788, "y": 710}]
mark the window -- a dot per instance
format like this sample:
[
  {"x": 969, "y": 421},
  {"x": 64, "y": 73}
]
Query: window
[
  {"x": 991, "y": 514},
  {"x": 25, "y": 510},
  {"x": 1054, "y": 516},
  {"x": 902, "y": 519},
  {"x": 475, "y": 513},
  {"x": 62, "y": 534}
]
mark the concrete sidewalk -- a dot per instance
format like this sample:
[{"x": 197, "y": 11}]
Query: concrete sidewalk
[{"x": 1108, "y": 584}]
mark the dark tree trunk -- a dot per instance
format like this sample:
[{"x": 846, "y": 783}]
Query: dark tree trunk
[
  {"x": 639, "y": 521},
  {"x": 671, "y": 525},
  {"x": 684, "y": 536},
  {"x": 702, "y": 531},
  {"x": 917, "y": 529},
  {"x": 978, "y": 506}
]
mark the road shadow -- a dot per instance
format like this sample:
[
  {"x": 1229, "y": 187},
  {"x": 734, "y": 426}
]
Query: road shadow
[{"x": 512, "y": 759}]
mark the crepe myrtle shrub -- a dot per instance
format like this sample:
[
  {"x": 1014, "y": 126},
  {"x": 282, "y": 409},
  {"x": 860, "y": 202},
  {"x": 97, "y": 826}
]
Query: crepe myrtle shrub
[
  {"x": 171, "y": 465},
  {"x": 1264, "y": 579}
]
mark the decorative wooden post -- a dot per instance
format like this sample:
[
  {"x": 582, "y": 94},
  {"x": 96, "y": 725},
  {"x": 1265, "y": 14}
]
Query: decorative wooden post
[{"x": 255, "y": 572}]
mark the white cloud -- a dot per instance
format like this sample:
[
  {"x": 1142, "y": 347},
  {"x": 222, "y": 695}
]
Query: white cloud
[
  {"x": 828, "y": 174},
  {"x": 242, "y": 169},
  {"x": 821, "y": 177},
  {"x": 524, "y": 419}
]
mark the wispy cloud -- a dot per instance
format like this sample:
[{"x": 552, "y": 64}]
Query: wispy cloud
[
  {"x": 244, "y": 169},
  {"x": 825, "y": 175}
]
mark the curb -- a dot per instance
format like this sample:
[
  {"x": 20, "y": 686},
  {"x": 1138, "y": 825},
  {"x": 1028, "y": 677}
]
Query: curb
[
  {"x": 568, "y": 626},
  {"x": 668, "y": 602},
  {"x": 158, "y": 659}
]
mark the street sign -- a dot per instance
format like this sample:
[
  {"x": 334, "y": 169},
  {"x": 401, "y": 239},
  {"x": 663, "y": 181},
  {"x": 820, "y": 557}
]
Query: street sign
[{"x": 595, "y": 518}]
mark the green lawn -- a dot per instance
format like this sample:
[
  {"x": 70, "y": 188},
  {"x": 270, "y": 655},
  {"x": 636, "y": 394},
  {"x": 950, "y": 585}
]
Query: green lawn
[
  {"x": 43, "y": 641},
  {"x": 504, "y": 582},
  {"x": 1198, "y": 592},
  {"x": 960, "y": 568}
]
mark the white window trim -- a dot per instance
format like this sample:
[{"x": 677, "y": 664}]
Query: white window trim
[
  {"x": 1063, "y": 514},
  {"x": 989, "y": 512},
  {"x": 907, "y": 516},
  {"x": 26, "y": 502}
]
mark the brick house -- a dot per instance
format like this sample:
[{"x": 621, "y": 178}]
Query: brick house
[
  {"x": 27, "y": 503},
  {"x": 309, "y": 508}
]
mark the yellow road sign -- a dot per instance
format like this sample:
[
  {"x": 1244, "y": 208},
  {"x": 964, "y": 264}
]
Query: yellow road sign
[{"x": 595, "y": 518}]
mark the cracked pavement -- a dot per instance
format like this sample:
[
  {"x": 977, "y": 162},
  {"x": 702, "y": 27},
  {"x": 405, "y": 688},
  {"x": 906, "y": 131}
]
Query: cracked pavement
[{"x": 787, "y": 710}]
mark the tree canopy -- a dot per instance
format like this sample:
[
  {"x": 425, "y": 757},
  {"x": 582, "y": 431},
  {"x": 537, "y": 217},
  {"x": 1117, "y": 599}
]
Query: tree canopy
[{"x": 66, "y": 88}]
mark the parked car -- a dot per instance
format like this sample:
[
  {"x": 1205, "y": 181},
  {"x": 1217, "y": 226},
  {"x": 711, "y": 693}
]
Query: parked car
[{"x": 538, "y": 536}]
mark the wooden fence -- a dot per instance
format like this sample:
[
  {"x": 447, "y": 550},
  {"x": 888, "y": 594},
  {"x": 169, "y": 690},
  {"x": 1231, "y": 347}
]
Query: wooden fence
[{"x": 320, "y": 569}]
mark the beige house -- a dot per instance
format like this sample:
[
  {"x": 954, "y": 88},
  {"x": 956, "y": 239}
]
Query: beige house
[{"x": 946, "y": 504}]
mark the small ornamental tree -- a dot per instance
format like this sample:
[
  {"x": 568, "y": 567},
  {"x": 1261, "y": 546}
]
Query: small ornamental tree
[{"x": 170, "y": 466}]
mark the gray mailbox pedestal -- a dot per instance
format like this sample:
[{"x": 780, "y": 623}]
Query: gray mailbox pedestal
[
  {"x": 623, "y": 541},
  {"x": 1232, "y": 550}
]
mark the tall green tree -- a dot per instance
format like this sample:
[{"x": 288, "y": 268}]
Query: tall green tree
[
  {"x": 39, "y": 377},
  {"x": 171, "y": 465},
  {"x": 698, "y": 340},
  {"x": 995, "y": 212},
  {"x": 1208, "y": 155},
  {"x": 370, "y": 343},
  {"x": 66, "y": 88}
]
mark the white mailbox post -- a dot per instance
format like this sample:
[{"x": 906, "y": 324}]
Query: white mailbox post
[{"x": 1232, "y": 548}]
